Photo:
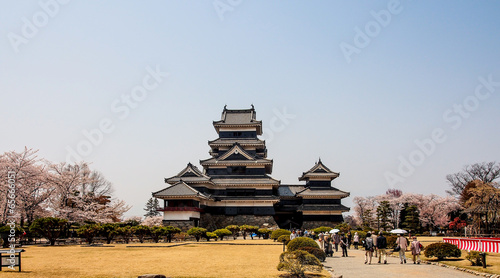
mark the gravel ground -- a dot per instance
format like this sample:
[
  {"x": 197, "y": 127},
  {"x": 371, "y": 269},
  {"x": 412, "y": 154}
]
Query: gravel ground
[{"x": 354, "y": 267}]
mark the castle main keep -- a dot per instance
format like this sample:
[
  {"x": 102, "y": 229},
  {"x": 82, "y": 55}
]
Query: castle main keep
[{"x": 235, "y": 186}]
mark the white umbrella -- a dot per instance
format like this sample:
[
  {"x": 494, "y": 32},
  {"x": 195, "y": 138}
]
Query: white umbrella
[
  {"x": 332, "y": 231},
  {"x": 398, "y": 231}
]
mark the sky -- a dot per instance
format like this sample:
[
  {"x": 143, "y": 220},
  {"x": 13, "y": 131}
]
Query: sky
[{"x": 391, "y": 94}]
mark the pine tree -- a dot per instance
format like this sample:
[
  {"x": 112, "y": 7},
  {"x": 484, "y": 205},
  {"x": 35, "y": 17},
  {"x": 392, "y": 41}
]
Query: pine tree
[
  {"x": 411, "y": 221},
  {"x": 151, "y": 207},
  {"x": 384, "y": 214}
]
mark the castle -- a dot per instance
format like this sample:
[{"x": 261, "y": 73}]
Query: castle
[{"x": 235, "y": 186}]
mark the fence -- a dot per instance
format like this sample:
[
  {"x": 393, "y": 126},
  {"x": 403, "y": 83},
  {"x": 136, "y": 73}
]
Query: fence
[{"x": 491, "y": 245}]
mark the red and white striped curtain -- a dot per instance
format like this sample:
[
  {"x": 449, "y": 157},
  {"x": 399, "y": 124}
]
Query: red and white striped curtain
[{"x": 491, "y": 245}]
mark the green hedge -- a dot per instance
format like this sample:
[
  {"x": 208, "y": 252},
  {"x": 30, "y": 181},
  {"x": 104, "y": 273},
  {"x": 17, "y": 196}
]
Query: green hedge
[
  {"x": 285, "y": 238},
  {"x": 301, "y": 242},
  {"x": 279, "y": 232},
  {"x": 442, "y": 250},
  {"x": 318, "y": 253},
  {"x": 322, "y": 229}
]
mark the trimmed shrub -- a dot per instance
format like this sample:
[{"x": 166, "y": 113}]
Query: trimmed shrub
[
  {"x": 247, "y": 229},
  {"x": 318, "y": 253},
  {"x": 234, "y": 229},
  {"x": 297, "y": 262},
  {"x": 285, "y": 238},
  {"x": 343, "y": 227},
  {"x": 170, "y": 231},
  {"x": 298, "y": 242},
  {"x": 279, "y": 232},
  {"x": 222, "y": 232},
  {"x": 89, "y": 231},
  {"x": 210, "y": 235},
  {"x": 197, "y": 232},
  {"x": 140, "y": 232},
  {"x": 264, "y": 232},
  {"x": 442, "y": 250},
  {"x": 474, "y": 258},
  {"x": 391, "y": 241},
  {"x": 361, "y": 234},
  {"x": 322, "y": 229}
]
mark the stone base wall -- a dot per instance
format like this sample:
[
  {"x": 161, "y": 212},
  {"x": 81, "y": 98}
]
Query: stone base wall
[
  {"x": 307, "y": 225},
  {"x": 184, "y": 225},
  {"x": 213, "y": 222}
]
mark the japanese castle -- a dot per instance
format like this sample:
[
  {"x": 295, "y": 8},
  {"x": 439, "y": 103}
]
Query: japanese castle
[{"x": 235, "y": 186}]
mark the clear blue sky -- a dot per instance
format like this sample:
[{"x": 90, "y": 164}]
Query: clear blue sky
[{"x": 63, "y": 67}]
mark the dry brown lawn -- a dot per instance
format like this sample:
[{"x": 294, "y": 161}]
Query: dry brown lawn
[{"x": 215, "y": 260}]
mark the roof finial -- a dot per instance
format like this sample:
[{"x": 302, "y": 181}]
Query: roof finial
[
  {"x": 319, "y": 160},
  {"x": 252, "y": 106},
  {"x": 225, "y": 107}
]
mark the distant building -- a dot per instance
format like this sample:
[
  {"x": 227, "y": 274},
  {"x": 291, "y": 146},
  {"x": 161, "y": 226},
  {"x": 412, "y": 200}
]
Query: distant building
[{"x": 235, "y": 186}]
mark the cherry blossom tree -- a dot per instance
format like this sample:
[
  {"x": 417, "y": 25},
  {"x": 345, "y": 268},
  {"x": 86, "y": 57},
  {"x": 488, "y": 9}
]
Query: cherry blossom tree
[
  {"x": 152, "y": 221},
  {"x": 32, "y": 188},
  {"x": 433, "y": 210},
  {"x": 364, "y": 210},
  {"x": 82, "y": 195}
]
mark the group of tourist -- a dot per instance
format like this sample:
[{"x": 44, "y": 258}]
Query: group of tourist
[{"x": 377, "y": 245}]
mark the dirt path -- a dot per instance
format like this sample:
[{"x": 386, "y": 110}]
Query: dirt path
[{"x": 354, "y": 267}]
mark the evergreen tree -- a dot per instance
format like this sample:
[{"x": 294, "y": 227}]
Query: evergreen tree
[
  {"x": 384, "y": 214},
  {"x": 411, "y": 221},
  {"x": 151, "y": 207}
]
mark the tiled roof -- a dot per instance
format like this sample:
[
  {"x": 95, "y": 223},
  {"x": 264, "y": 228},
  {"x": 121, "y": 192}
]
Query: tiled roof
[
  {"x": 232, "y": 141},
  {"x": 179, "y": 189},
  {"x": 323, "y": 192},
  {"x": 190, "y": 173},
  {"x": 320, "y": 207},
  {"x": 215, "y": 161},
  {"x": 241, "y": 198},
  {"x": 236, "y": 149},
  {"x": 240, "y": 181},
  {"x": 289, "y": 190},
  {"x": 319, "y": 170},
  {"x": 239, "y": 117}
]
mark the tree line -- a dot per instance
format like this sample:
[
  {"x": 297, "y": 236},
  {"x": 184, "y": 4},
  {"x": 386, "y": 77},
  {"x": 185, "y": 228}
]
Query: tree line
[
  {"x": 73, "y": 192},
  {"x": 473, "y": 203}
]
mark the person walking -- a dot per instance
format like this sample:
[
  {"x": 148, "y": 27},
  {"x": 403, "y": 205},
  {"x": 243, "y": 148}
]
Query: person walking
[
  {"x": 402, "y": 244},
  {"x": 293, "y": 235},
  {"x": 349, "y": 240},
  {"x": 374, "y": 237},
  {"x": 321, "y": 239},
  {"x": 381, "y": 246},
  {"x": 369, "y": 247},
  {"x": 329, "y": 250},
  {"x": 356, "y": 240},
  {"x": 343, "y": 245},
  {"x": 416, "y": 248},
  {"x": 336, "y": 240}
]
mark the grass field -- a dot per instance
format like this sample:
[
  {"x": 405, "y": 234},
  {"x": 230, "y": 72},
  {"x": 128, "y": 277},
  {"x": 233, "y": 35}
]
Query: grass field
[{"x": 217, "y": 260}]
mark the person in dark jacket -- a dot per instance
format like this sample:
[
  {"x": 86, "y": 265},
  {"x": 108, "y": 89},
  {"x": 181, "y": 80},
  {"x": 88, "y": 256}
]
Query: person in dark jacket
[
  {"x": 381, "y": 246},
  {"x": 343, "y": 245}
]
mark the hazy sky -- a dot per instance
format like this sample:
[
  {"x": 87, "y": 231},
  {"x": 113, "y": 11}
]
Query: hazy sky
[{"x": 391, "y": 94}]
